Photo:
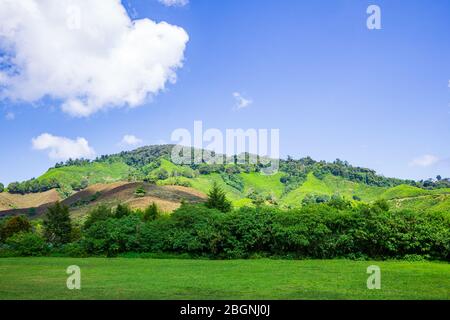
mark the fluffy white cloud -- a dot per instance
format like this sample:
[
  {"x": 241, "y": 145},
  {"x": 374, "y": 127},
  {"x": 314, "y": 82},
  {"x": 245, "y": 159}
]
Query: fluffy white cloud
[
  {"x": 241, "y": 102},
  {"x": 130, "y": 140},
  {"x": 87, "y": 54},
  {"x": 424, "y": 161},
  {"x": 172, "y": 3},
  {"x": 61, "y": 148}
]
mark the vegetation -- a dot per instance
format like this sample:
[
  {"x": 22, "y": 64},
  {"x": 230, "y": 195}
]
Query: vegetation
[
  {"x": 298, "y": 183},
  {"x": 160, "y": 279},
  {"x": 13, "y": 226},
  {"x": 334, "y": 229},
  {"x": 2, "y": 187},
  {"x": 151, "y": 213},
  {"x": 57, "y": 225},
  {"x": 33, "y": 186},
  {"x": 27, "y": 244},
  {"x": 217, "y": 199},
  {"x": 152, "y": 164},
  {"x": 140, "y": 192}
]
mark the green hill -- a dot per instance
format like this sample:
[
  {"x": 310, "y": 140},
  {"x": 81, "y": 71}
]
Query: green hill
[
  {"x": 95, "y": 172},
  {"x": 244, "y": 183}
]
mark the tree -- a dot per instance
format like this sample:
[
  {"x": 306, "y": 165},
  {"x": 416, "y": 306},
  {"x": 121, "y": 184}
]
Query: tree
[
  {"x": 27, "y": 244},
  {"x": 100, "y": 213},
  {"x": 2, "y": 187},
  {"x": 217, "y": 199},
  {"x": 121, "y": 211},
  {"x": 381, "y": 204},
  {"x": 438, "y": 178},
  {"x": 15, "y": 225},
  {"x": 151, "y": 212},
  {"x": 57, "y": 224}
]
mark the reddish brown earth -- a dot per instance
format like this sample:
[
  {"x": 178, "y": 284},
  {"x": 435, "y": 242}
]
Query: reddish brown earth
[{"x": 168, "y": 198}]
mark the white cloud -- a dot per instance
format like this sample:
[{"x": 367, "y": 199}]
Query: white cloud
[
  {"x": 174, "y": 3},
  {"x": 424, "y": 161},
  {"x": 130, "y": 140},
  {"x": 88, "y": 54},
  {"x": 61, "y": 148},
  {"x": 10, "y": 116},
  {"x": 241, "y": 102}
]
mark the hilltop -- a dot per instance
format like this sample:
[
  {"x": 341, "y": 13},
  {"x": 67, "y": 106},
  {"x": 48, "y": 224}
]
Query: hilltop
[{"x": 147, "y": 175}]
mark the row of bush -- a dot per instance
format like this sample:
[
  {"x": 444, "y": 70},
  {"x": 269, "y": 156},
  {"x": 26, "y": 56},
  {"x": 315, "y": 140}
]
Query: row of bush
[{"x": 321, "y": 231}]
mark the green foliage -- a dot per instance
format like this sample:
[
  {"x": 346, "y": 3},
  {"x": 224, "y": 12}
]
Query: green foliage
[
  {"x": 80, "y": 185},
  {"x": 121, "y": 211},
  {"x": 27, "y": 244},
  {"x": 140, "y": 192},
  {"x": 381, "y": 205},
  {"x": 217, "y": 199},
  {"x": 315, "y": 198},
  {"x": 57, "y": 224},
  {"x": 32, "y": 186},
  {"x": 341, "y": 203},
  {"x": 158, "y": 174},
  {"x": 321, "y": 231},
  {"x": 190, "y": 229},
  {"x": 100, "y": 213},
  {"x": 234, "y": 181},
  {"x": 113, "y": 236},
  {"x": 151, "y": 213},
  {"x": 13, "y": 226},
  {"x": 2, "y": 187}
]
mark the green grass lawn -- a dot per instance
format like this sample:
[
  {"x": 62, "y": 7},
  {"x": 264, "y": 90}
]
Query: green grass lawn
[{"x": 122, "y": 278}]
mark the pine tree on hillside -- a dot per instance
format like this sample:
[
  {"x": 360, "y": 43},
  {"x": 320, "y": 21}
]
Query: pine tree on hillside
[
  {"x": 151, "y": 212},
  {"x": 57, "y": 224},
  {"x": 217, "y": 199}
]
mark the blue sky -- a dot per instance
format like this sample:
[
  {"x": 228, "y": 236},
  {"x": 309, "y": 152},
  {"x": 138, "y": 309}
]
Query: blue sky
[{"x": 335, "y": 89}]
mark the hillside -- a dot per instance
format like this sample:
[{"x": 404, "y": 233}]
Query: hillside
[
  {"x": 83, "y": 184},
  {"x": 168, "y": 198}
]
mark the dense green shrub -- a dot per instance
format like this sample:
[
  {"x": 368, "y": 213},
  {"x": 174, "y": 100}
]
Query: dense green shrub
[
  {"x": 190, "y": 229},
  {"x": 99, "y": 213},
  {"x": 27, "y": 244},
  {"x": 113, "y": 236},
  {"x": 323, "y": 231},
  {"x": 57, "y": 224},
  {"x": 14, "y": 225},
  {"x": 246, "y": 231},
  {"x": 72, "y": 250}
]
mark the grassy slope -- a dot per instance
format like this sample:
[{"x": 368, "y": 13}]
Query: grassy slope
[
  {"x": 263, "y": 183},
  {"x": 95, "y": 172},
  {"x": 101, "y": 278},
  {"x": 331, "y": 185},
  {"x": 204, "y": 183},
  {"x": 402, "y": 196},
  {"x": 430, "y": 203}
]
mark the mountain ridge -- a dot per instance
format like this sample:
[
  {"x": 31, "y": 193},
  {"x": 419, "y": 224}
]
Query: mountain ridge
[{"x": 297, "y": 182}]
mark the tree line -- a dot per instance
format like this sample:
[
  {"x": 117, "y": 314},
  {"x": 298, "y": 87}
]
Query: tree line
[{"x": 333, "y": 229}]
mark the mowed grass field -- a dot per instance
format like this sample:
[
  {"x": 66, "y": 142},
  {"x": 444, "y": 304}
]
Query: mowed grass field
[{"x": 134, "y": 278}]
